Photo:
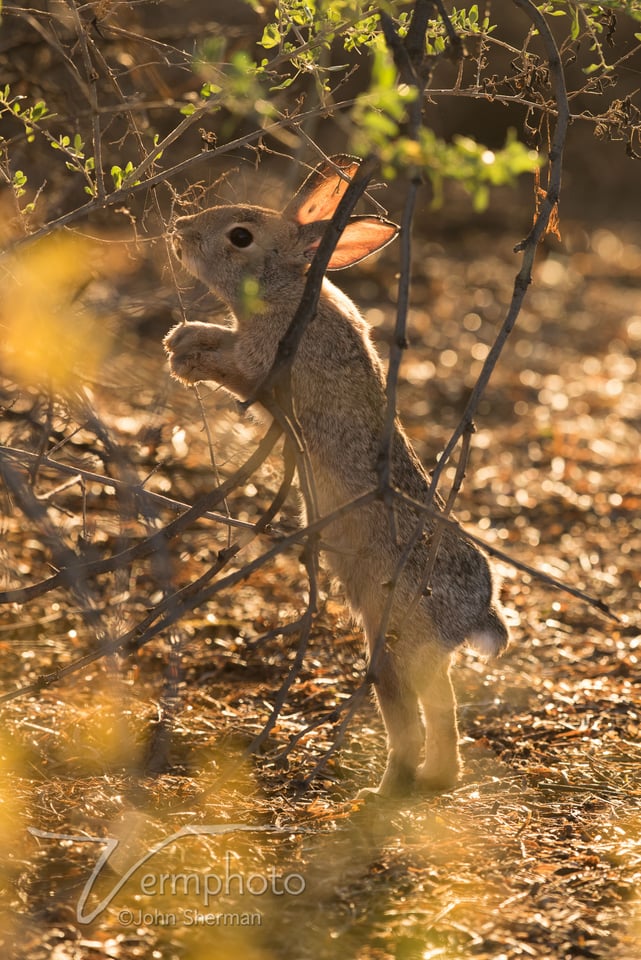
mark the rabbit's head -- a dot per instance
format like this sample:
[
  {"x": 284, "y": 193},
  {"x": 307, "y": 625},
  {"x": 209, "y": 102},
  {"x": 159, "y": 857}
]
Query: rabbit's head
[{"x": 227, "y": 246}]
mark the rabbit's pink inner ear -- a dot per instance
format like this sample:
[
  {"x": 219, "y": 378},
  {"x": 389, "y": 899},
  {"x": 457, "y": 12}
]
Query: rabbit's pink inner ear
[
  {"x": 361, "y": 237},
  {"x": 321, "y": 193}
]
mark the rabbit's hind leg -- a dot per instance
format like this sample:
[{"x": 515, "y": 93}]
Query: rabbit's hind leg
[
  {"x": 442, "y": 766},
  {"x": 399, "y": 706}
]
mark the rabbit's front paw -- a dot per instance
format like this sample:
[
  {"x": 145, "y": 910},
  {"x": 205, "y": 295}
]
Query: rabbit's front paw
[{"x": 192, "y": 349}]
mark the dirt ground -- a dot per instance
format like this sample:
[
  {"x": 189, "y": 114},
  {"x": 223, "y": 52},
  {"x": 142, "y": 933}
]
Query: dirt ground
[{"x": 536, "y": 854}]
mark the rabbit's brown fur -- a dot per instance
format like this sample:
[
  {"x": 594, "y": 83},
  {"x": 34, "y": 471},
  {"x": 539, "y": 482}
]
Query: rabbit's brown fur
[{"x": 338, "y": 392}]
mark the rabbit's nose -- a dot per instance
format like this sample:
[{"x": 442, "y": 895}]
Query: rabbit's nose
[
  {"x": 177, "y": 245},
  {"x": 186, "y": 231},
  {"x": 183, "y": 235}
]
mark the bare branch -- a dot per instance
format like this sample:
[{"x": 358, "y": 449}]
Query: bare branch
[
  {"x": 306, "y": 622},
  {"x": 121, "y": 195},
  {"x": 74, "y": 566},
  {"x": 135, "y": 491},
  {"x": 527, "y": 246},
  {"x": 172, "y": 608}
]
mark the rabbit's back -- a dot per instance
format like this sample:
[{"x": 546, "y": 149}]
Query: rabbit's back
[{"x": 340, "y": 401}]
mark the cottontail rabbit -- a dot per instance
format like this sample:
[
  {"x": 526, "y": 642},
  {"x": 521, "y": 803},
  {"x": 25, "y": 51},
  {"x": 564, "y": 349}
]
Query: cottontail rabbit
[{"x": 338, "y": 393}]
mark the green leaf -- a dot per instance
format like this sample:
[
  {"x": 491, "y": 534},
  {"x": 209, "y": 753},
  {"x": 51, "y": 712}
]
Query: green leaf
[
  {"x": 576, "y": 27},
  {"x": 481, "y": 199},
  {"x": 61, "y": 143},
  {"x": 271, "y": 36},
  {"x": 208, "y": 89},
  {"x": 39, "y": 110},
  {"x": 287, "y": 82},
  {"x": 156, "y": 140},
  {"x": 18, "y": 183}
]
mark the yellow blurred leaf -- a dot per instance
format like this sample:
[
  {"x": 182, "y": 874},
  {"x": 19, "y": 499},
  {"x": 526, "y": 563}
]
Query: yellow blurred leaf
[{"x": 46, "y": 333}]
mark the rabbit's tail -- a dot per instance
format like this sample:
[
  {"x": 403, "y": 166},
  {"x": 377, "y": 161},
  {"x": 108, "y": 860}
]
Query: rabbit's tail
[{"x": 492, "y": 637}]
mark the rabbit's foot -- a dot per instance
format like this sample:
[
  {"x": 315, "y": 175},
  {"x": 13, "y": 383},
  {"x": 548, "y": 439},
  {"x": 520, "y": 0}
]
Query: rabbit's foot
[
  {"x": 370, "y": 795},
  {"x": 438, "y": 777},
  {"x": 398, "y": 781}
]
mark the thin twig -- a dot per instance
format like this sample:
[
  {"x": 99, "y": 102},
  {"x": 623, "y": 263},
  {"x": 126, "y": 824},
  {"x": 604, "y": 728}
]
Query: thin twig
[
  {"x": 425, "y": 584},
  {"x": 93, "y": 99},
  {"x": 509, "y": 559},
  {"x": 306, "y": 622},
  {"x": 188, "y": 598},
  {"x": 528, "y": 246},
  {"x": 73, "y": 565},
  {"x": 399, "y": 340},
  {"x": 409, "y": 57},
  {"x": 411, "y": 62},
  {"x": 212, "y": 454},
  {"x": 37, "y": 512},
  {"x": 122, "y": 195},
  {"x": 133, "y": 490},
  {"x": 350, "y": 707}
]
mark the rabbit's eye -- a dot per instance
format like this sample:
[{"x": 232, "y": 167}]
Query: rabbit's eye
[{"x": 240, "y": 237}]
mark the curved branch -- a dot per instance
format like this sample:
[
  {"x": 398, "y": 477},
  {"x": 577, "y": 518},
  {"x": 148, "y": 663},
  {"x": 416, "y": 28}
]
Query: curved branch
[
  {"x": 527, "y": 246},
  {"x": 315, "y": 275}
]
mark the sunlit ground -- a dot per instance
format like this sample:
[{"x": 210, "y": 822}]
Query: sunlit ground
[{"x": 536, "y": 854}]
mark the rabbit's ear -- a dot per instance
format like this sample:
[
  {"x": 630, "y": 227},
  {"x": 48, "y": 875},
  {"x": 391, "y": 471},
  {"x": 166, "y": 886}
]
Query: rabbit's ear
[
  {"x": 361, "y": 237},
  {"x": 320, "y": 194}
]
